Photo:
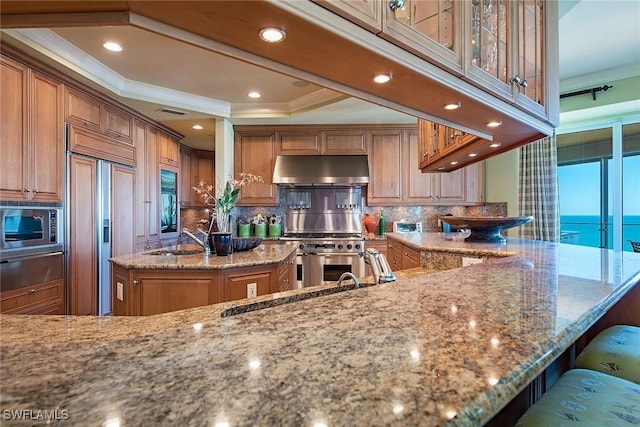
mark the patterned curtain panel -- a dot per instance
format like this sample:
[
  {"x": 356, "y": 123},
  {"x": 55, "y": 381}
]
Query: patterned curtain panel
[{"x": 539, "y": 190}]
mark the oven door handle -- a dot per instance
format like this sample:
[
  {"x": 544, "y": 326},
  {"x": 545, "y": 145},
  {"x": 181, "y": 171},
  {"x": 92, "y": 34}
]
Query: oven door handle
[
  {"x": 26, "y": 257},
  {"x": 309, "y": 253}
]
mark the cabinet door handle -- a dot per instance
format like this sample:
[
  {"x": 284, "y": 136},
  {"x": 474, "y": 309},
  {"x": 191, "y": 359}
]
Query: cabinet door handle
[
  {"x": 136, "y": 283},
  {"x": 32, "y": 291},
  {"x": 396, "y": 4}
]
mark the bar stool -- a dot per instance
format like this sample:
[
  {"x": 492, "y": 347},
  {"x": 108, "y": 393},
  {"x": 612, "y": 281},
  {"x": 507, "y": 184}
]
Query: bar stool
[
  {"x": 614, "y": 351},
  {"x": 582, "y": 397}
]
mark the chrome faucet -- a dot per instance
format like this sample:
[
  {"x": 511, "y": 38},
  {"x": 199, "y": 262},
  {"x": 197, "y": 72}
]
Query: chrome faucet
[
  {"x": 205, "y": 245},
  {"x": 348, "y": 275},
  {"x": 381, "y": 269}
]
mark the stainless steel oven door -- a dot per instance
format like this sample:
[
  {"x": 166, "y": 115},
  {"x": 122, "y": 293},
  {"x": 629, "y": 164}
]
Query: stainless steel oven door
[{"x": 327, "y": 268}]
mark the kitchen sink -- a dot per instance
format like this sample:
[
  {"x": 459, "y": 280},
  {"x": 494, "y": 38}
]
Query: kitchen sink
[
  {"x": 167, "y": 252},
  {"x": 260, "y": 305}
]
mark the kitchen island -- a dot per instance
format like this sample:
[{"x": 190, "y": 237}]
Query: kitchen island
[
  {"x": 183, "y": 276},
  {"x": 448, "y": 348}
]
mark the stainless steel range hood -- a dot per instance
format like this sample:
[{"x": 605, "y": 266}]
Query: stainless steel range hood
[{"x": 321, "y": 170}]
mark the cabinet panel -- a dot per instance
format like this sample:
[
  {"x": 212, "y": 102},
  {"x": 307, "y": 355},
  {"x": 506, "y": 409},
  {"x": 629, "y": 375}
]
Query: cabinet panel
[
  {"x": 13, "y": 132},
  {"x": 255, "y": 153},
  {"x": 82, "y": 273},
  {"x": 118, "y": 124},
  {"x": 44, "y": 298},
  {"x": 299, "y": 142},
  {"x": 31, "y": 135},
  {"x": 188, "y": 177},
  {"x": 122, "y": 211},
  {"x": 235, "y": 283},
  {"x": 429, "y": 28},
  {"x": 344, "y": 142},
  {"x": 169, "y": 150},
  {"x": 82, "y": 110},
  {"x": 47, "y": 138},
  {"x": 366, "y": 13},
  {"x": 171, "y": 292},
  {"x": 385, "y": 166}
]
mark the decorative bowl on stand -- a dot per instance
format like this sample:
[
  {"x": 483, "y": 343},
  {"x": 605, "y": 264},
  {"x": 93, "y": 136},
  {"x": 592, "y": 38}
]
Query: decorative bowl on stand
[
  {"x": 485, "y": 229},
  {"x": 245, "y": 243}
]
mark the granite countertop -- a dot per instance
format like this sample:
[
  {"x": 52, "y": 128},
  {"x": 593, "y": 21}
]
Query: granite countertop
[
  {"x": 448, "y": 348},
  {"x": 263, "y": 254}
]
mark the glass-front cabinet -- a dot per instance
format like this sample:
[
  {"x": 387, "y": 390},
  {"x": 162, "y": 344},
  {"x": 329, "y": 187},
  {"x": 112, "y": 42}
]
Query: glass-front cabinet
[
  {"x": 429, "y": 28},
  {"x": 506, "y": 50}
]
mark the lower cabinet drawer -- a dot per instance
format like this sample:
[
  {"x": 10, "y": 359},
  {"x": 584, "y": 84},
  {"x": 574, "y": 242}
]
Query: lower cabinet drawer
[{"x": 33, "y": 299}]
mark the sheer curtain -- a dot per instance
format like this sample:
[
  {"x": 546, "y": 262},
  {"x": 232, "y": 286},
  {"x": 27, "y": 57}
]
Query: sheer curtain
[{"x": 538, "y": 194}]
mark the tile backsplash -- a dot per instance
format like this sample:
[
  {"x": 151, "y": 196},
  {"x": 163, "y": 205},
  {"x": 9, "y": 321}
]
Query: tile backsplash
[{"x": 190, "y": 217}]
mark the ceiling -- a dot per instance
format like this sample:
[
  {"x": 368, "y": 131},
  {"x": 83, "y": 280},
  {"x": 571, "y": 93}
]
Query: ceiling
[{"x": 598, "y": 38}]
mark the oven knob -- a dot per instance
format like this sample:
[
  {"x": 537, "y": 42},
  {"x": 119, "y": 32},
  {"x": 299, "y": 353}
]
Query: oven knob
[
  {"x": 357, "y": 245},
  {"x": 301, "y": 246},
  {"x": 349, "y": 246},
  {"x": 340, "y": 246}
]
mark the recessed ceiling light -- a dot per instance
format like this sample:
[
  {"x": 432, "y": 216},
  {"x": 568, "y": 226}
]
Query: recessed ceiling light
[
  {"x": 452, "y": 106},
  {"x": 455, "y": 162},
  {"x": 382, "y": 78},
  {"x": 473, "y": 154},
  {"x": 441, "y": 168},
  {"x": 197, "y": 127},
  {"x": 112, "y": 46},
  {"x": 495, "y": 145},
  {"x": 254, "y": 94},
  {"x": 494, "y": 124},
  {"x": 272, "y": 35}
]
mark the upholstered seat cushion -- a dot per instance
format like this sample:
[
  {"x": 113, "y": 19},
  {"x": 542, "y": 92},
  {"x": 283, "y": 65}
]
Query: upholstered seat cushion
[
  {"x": 583, "y": 397},
  {"x": 614, "y": 351}
]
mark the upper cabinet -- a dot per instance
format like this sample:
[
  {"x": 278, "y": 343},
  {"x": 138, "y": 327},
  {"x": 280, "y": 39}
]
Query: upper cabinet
[
  {"x": 195, "y": 166},
  {"x": 98, "y": 129},
  {"x": 430, "y": 29},
  {"x": 255, "y": 152},
  {"x": 31, "y": 134},
  {"x": 310, "y": 140},
  {"x": 394, "y": 178},
  {"x": 169, "y": 150},
  {"x": 506, "y": 51}
]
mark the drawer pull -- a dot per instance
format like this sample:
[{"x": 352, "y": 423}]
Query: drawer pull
[
  {"x": 32, "y": 291},
  {"x": 136, "y": 282}
]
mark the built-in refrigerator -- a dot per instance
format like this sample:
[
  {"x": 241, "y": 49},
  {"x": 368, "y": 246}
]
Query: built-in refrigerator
[{"x": 100, "y": 208}]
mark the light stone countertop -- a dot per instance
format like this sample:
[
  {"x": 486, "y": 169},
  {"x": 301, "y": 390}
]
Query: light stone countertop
[
  {"x": 449, "y": 348},
  {"x": 263, "y": 254}
]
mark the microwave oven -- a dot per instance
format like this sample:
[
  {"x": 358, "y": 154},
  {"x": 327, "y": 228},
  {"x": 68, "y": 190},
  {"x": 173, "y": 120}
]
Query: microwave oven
[
  {"x": 27, "y": 227},
  {"x": 403, "y": 226}
]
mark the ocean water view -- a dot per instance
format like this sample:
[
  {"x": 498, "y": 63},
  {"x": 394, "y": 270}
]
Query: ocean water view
[{"x": 585, "y": 230}]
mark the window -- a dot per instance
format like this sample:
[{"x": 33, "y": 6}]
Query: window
[{"x": 599, "y": 186}]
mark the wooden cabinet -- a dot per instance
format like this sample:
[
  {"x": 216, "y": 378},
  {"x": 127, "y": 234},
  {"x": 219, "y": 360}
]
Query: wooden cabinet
[
  {"x": 366, "y": 13},
  {"x": 286, "y": 275},
  {"x": 238, "y": 281},
  {"x": 92, "y": 114},
  {"x": 195, "y": 166},
  {"x": 311, "y": 140},
  {"x": 430, "y": 29},
  {"x": 255, "y": 152},
  {"x": 146, "y": 292},
  {"x": 31, "y": 135},
  {"x": 395, "y": 179},
  {"x": 510, "y": 47},
  {"x": 169, "y": 150},
  {"x": 43, "y": 298},
  {"x": 437, "y": 141},
  {"x": 402, "y": 257},
  {"x": 147, "y": 188}
]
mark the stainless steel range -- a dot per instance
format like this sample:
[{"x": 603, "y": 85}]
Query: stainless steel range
[{"x": 325, "y": 225}]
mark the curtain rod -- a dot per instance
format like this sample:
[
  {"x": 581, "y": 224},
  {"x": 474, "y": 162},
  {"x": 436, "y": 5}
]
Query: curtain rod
[{"x": 592, "y": 91}]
